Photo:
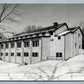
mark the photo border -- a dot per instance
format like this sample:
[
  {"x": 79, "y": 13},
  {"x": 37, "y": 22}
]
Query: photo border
[{"x": 42, "y": 2}]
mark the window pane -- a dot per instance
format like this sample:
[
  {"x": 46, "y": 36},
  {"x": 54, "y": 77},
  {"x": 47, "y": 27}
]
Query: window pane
[
  {"x": 26, "y": 44},
  {"x": 12, "y": 54},
  {"x": 18, "y": 44},
  {"x": 59, "y": 54},
  {"x": 34, "y": 54},
  {"x": 1, "y": 54},
  {"x": 6, "y": 54},
  {"x": 35, "y": 43},
  {"x": 7, "y": 45},
  {"x": 1, "y": 46},
  {"x": 12, "y": 45},
  {"x": 26, "y": 54},
  {"x": 18, "y": 54},
  {"x": 59, "y": 37}
]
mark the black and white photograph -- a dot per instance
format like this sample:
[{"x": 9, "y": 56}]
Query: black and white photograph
[{"x": 41, "y": 42}]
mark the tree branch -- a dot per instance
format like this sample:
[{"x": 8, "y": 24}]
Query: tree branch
[{"x": 4, "y": 9}]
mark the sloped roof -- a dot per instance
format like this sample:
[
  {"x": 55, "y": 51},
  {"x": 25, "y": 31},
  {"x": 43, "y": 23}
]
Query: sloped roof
[
  {"x": 41, "y": 30},
  {"x": 70, "y": 30}
]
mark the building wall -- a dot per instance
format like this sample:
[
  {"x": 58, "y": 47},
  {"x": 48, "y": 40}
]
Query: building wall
[
  {"x": 45, "y": 48},
  {"x": 38, "y": 50},
  {"x": 12, "y": 58},
  {"x": 68, "y": 46},
  {"x": 77, "y": 42},
  {"x": 56, "y": 46}
]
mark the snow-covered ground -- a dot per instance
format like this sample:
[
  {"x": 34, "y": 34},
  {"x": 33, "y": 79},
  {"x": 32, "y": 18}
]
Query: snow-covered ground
[{"x": 73, "y": 69}]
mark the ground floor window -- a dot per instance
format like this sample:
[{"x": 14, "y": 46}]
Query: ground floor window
[
  {"x": 35, "y": 54},
  {"x": 18, "y": 54},
  {"x": 26, "y": 54},
  {"x": 6, "y": 54},
  {"x": 1, "y": 54},
  {"x": 12, "y": 54},
  {"x": 59, "y": 54}
]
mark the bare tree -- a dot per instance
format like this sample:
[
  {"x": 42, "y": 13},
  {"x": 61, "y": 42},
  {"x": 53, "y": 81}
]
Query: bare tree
[
  {"x": 6, "y": 10},
  {"x": 31, "y": 27}
]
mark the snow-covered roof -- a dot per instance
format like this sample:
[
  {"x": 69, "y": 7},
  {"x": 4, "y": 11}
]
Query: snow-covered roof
[{"x": 63, "y": 33}]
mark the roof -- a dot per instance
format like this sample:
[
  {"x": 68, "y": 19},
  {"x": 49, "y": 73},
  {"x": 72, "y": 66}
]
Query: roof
[
  {"x": 41, "y": 30},
  {"x": 70, "y": 30}
]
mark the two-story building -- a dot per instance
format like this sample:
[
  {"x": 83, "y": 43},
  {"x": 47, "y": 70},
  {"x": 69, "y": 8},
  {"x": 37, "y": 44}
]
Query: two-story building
[{"x": 57, "y": 42}]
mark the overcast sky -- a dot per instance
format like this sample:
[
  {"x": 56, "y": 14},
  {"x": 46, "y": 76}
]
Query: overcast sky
[{"x": 46, "y": 14}]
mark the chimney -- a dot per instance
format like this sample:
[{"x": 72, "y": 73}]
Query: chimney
[{"x": 55, "y": 23}]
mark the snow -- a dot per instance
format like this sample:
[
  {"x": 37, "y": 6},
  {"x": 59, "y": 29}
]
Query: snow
[
  {"x": 65, "y": 32},
  {"x": 73, "y": 69}
]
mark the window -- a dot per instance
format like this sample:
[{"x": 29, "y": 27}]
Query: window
[
  {"x": 12, "y": 54},
  {"x": 75, "y": 45},
  {"x": 26, "y": 54},
  {"x": 18, "y": 54},
  {"x": 35, "y": 43},
  {"x": 6, "y": 54},
  {"x": 59, "y": 37},
  {"x": 26, "y": 44},
  {"x": 1, "y": 46},
  {"x": 34, "y": 54},
  {"x": 51, "y": 32},
  {"x": 43, "y": 34},
  {"x": 51, "y": 39},
  {"x": 12, "y": 45},
  {"x": 1, "y": 54},
  {"x": 59, "y": 54},
  {"x": 7, "y": 45},
  {"x": 18, "y": 44},
  {"x": 78, "y": 35},
  {"x": 79, "y": 46}
]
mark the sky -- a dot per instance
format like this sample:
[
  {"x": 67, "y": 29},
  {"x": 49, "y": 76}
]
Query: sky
[{"x": 46, "y": 14}]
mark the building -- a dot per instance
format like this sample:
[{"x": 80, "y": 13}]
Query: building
[{"x": 57, "y": 42}]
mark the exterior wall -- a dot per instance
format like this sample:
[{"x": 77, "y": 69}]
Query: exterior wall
[
  {"x": 7, "y": 57},
  {"x": 56, "y": 46},
  {"x": 27, "y": 49},
  {"x": 3, "y": 51},
  {"x": 19, "y": 58},
  {"x": 36, "y": 49},
  {"x": 45, "y": 48},
  {"x": 77, "y": 42},
  {"x": 68, "y": 46},
  {"x": 12, "y": 58}
]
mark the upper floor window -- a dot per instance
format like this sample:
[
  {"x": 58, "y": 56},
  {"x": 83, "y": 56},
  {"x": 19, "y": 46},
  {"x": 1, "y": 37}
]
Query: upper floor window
[
  {"x": 51, "y": 32},
  {"x": 35, "y": 43},
  {"x": 78, "y": 35},
  {"x": 35, "y": 54},
  {"x": 12, "y": 45},
  {"x": 18, "y": 44},
  {"x": 59, "y": 37},
  {"x": 7, "y": 45},
  {"x": 26, "y": 44},
  {"x": 1, "y": 46},
  {"x": 43, "y": 34}
]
